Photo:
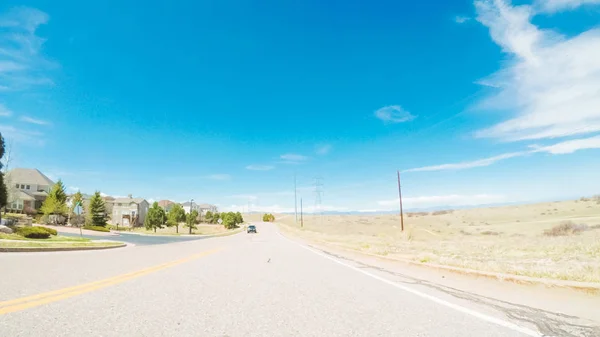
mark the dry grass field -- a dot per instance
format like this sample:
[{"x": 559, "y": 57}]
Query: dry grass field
[{"x": 558, "y": 240}]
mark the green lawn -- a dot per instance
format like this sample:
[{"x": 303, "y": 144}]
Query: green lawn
[
  {"x": 53, "y": 238},
  {"x": 55, "y": 244}
]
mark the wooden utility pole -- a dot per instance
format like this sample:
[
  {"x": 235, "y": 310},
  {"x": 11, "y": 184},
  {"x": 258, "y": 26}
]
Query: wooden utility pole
[
  {"x": 400, "y": 198},
  {"x": 301, "y": 218}
]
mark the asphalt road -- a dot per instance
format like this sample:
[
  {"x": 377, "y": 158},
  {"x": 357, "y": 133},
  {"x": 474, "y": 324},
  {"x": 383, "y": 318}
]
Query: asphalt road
[
  {"x": 140, "y": 240},
  {"x": 242, "y": 285}
]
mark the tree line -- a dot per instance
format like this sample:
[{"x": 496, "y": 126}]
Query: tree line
[{"x": 158, "y": 218}]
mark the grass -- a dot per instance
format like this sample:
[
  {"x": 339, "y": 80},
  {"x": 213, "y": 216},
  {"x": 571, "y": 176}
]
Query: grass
[
  {"x": 508, "y": 239},
  {"x": 52, "y": 238},
  {"x": 55, "y": 244}
]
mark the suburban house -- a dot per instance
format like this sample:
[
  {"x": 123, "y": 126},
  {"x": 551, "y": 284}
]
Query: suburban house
[
  {"x": 206, "y": 208},
  {"x": 200, "y": 208},
  {"x": 186, "y": 207},
  {"x": 129, "y": 212},
  {"x": 27, "y": 188}
]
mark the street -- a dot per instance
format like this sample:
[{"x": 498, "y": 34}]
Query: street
[
  {"x": 243, "y": 285},
  {"x": 140, "y": 240}
]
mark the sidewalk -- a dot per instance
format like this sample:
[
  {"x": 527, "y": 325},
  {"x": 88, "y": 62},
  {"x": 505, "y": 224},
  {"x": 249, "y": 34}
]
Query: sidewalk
[{"x": 75, "y": 230}]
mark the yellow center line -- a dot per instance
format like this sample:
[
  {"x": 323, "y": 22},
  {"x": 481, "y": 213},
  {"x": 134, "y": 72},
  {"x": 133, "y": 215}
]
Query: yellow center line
[{"x": 60, "y": 294}]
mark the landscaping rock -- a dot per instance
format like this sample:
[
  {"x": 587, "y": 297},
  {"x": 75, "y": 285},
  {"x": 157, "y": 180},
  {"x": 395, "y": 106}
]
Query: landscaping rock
[{"x": 6, "y": 230}]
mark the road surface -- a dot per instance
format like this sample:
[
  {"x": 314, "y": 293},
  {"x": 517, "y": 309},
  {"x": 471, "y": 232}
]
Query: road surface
[
  {"x": 139, "y": 240},
  {"x": 242, "y": 285}
]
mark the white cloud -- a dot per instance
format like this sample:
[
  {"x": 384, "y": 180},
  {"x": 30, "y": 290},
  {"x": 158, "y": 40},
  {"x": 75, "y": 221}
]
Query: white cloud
[
  {"x": 550, "y": 85},
  {"x": 443, "y": 201},
  {"x": 73, "y": 188},
  {"x": 219, "y": 176},
  {"x": 21, "y": 62},
  {"x": 461, "y": 19},
  {"x": 323, "y": 149},
  {"x": 31, "y": 120},
  {"x": 552, "y": 6},
  {"x": 4, "y": 111},
  {"x": 243, "y": 196},
  {"x": 570, "y": 146},
  {"x": 293, "y": 157},
  {"x": 260, "y": 167},
  {"x": 23, "y": 136},
  {"x": 276, "y": 208},
  {"x": 393, "y": 114},
  {"x": 469, "y": 164}
]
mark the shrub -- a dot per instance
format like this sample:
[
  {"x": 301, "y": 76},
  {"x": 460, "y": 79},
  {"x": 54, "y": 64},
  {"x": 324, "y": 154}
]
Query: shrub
[
  {"x": 566, "y": 228},
  {"x": 34, "y": 232},
  {"x": 268, "y": 217},
  {"x": 490, "y": 233},
  {"x": 29, "y": 211},
  {"x": 52, "y": 231},
  {"x": 442, "y": 212},
  {"x": 97, "y": 228}
]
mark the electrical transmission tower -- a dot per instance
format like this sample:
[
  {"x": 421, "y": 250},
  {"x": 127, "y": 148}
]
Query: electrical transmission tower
[{"x": 318, "y": 184}]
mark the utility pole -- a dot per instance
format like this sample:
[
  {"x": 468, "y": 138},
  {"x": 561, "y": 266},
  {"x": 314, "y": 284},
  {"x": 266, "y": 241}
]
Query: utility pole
[
  {"x": 191, "y": 224},
  {"x": 400, "y": 198},
  {"x": 295, "y": 200},
  {"x": 301, "y": 218}
]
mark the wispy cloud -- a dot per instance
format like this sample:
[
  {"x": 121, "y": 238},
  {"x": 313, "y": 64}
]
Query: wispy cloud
[
  {"x": 553, "y": 6},
  {"x": 461, "y": 19},
  {"x": 469, "y": 164},
  {"x": 243, "y": 196},
  {"x": 4, "y": 111},
  {"x": 443, "y": 201},
  {"x": 570, "y": 146},
  {"x": 31, "y": 120},
  {"x": 260, "y": 167},
  {"x": 323, "y": 149},
  {"x": 23, "y": 136},
  {"x": 73, "y": 188},
  {"x": 219, "y": 176},
  {"x": 550, "y": 85},
  {"x": 22, "y": 64},
  {"x": 292, "y": 158},
  {"x": 393, "y": 114}
]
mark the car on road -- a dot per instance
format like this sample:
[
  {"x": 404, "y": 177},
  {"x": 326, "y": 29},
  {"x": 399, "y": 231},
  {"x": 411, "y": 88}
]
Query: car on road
[{"x": 251, "y": 229}]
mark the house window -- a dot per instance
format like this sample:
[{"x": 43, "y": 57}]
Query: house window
[
  {"x": 27, "y": 187},
  {"x": 22, "y": 186},
  {"x": 17, "y": 185}
]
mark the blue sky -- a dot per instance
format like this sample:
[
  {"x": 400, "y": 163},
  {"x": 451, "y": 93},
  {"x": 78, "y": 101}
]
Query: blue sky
[{"x": 221, "y": 101}]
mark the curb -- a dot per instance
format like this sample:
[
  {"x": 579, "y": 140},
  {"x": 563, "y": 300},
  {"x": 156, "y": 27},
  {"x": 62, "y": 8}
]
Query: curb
[
  {"x": 56, "y": 249},
  {"x": 587, "y": 287}
]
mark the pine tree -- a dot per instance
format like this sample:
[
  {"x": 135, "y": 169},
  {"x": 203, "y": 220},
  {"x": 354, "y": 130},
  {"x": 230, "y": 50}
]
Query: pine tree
[
  {"x": 97, "y": 213},
  {"x": 56, "y": 202}
]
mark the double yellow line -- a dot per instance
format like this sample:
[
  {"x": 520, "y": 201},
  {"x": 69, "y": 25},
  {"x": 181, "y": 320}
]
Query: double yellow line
[{"x": 23, "y": 303}]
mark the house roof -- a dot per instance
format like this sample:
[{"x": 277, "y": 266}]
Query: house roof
[
  {"x": 28, "y": 176},
  {"x": 24, "y": 196},
  {"x": 128, "y": 200},
  {"x": 165, "y": 203}
]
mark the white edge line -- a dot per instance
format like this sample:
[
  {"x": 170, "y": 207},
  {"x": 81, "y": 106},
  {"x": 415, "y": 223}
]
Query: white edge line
[{"x": 456, "y": 307}]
